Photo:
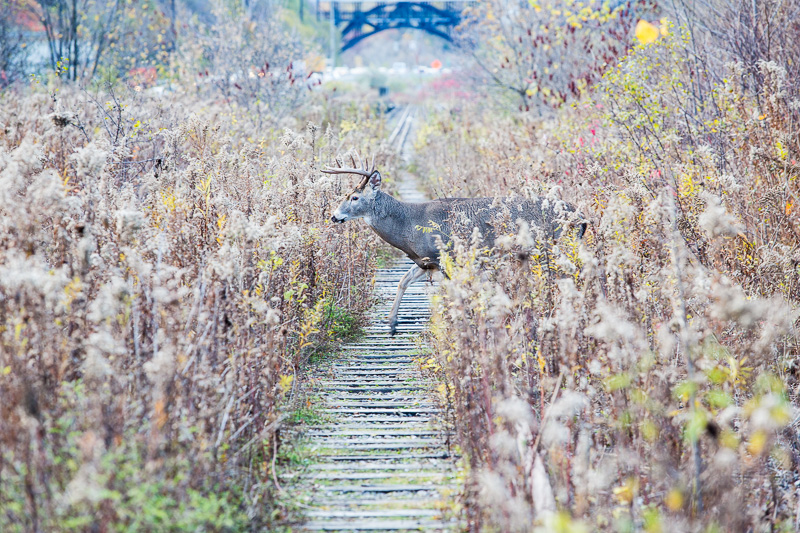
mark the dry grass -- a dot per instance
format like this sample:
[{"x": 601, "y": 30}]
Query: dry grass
[
  {"x": 653, "y": 366},
  {"x": 165, "y": 269}
]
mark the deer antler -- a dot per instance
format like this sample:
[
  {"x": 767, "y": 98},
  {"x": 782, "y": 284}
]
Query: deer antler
[{"x": 363, "y": 171}]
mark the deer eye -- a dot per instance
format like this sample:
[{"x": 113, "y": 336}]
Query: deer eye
[{"x": 354, "y": 198}]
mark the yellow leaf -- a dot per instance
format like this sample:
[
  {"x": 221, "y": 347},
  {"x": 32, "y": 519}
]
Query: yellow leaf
[
  {"x": 646, "y": 32},
  {"x": 729, "y": 439},
  {"x": 6, "y": 370},
  {"x": 674, "y": 500},
  {"x": 286, "y": 383},
  {"x": 757, "y": 442},
  {"x": 624, "y": 493},
  {"x": 664, "y": 27}
]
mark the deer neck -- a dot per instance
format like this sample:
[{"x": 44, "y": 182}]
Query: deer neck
[{"x": 391, "y": 219}]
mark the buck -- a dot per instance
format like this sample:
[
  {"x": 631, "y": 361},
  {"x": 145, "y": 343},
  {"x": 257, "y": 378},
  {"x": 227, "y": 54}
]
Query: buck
[{"x": 419, "y": 229}]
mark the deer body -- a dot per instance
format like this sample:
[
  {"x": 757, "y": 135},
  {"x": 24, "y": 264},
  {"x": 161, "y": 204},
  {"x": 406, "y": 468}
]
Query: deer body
[{"x": 418, "y": 229}]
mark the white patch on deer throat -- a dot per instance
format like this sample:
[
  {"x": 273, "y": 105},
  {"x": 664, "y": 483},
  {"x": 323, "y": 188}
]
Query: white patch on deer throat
[{"x": 368, "y": 220}]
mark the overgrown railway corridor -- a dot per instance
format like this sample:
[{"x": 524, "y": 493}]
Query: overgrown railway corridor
[{"x": 382, "y": 461}]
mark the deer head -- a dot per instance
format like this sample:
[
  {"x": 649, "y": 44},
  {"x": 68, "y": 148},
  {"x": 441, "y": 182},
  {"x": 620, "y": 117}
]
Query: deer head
[{"x": 359, "y": 203}]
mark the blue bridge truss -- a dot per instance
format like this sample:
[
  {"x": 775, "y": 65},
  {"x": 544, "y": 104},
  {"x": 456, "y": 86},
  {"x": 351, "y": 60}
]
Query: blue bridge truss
[{"x": 358, "y": 20}]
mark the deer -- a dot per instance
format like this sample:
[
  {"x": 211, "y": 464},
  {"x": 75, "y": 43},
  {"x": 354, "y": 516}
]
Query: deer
[{"x": 421, "y": 230}]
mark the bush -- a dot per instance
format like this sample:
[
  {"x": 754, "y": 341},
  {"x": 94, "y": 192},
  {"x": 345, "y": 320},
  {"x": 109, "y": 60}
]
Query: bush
[
  {"x": 162, "y": 271},
  {"x": 645, "y": 377}
]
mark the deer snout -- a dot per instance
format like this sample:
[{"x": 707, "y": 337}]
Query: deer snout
[{"x": 339, "y": 220}]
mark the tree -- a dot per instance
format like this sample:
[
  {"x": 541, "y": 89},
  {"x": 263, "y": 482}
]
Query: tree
[
  {"x": 76, "y": 33},
  {"x": 250, "y": 56},
  {"x": 752, "y": 34},
  {"x": 85, "y": 35},
  {"x": 544, "y": 53},
  {"x": 12, "y": 48}
]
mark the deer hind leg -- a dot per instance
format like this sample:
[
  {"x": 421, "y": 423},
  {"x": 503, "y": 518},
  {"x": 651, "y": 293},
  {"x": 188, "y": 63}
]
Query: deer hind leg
[{"x": 414, "y": 273}]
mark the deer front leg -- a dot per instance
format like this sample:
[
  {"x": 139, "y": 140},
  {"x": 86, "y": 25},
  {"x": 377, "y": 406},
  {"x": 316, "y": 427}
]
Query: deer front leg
[{"x": 413, "y": 274}]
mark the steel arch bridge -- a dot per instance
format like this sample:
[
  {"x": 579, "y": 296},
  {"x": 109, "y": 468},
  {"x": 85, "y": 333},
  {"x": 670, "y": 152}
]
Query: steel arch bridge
[{"x": 357, "y": 20}]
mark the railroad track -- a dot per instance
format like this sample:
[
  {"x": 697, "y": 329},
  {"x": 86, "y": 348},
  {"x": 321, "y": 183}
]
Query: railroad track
[
  {"x": 407, "y": 186},
  {"x": 382, "y": 462},
  {"x": 405, "y": 123}
]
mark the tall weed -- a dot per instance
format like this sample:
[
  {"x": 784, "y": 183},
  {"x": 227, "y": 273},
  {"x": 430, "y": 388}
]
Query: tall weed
[
  {"x": 644, "y": 377},
  {"x": 165, "y": 271}
]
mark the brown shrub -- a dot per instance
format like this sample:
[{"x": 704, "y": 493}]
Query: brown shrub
[
  {"x": 164, "y": 273},
  {"x": 652, "y": 366}
]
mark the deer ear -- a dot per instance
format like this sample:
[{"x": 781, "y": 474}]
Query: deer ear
[{"x": 375, "y": 180}]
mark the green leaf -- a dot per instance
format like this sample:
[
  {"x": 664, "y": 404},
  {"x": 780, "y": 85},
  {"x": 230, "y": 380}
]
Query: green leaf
[
  {"x": 717, "y": 375},
  {"x": 618, "y": 381},
  {"x": 696, "y": 426},
  {"x": 719, "y": 399},
  {"x": 684, "y": 390}
]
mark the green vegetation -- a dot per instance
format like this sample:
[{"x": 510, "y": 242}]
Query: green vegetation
[
  {"x": 308, "y": 414},
  {"x": 343, "y": 324},
  {"x": 142, "y": 499}
]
